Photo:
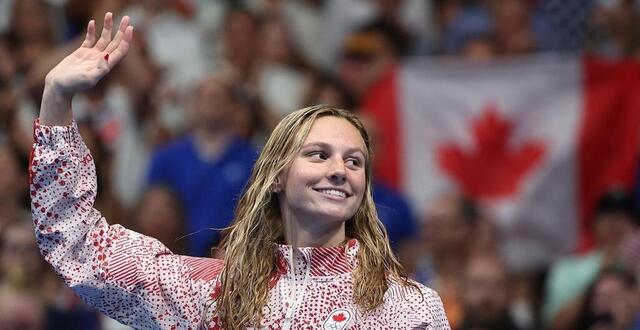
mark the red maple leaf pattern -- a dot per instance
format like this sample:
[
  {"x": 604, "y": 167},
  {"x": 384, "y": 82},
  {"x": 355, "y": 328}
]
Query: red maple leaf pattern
[
  {"x": 491, "y": 168},
  {"x": 339, "y": 317}
]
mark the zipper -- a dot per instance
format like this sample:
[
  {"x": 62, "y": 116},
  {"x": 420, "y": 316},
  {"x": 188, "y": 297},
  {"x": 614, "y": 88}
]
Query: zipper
[{"x": 296, "y": 292}]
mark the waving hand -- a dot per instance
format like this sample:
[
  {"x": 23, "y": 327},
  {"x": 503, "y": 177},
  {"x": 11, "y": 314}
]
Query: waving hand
[{"x": 83, "y": 68}]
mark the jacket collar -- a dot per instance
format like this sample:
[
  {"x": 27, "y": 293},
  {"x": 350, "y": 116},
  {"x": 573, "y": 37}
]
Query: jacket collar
[{"x": 324, "y": 261}]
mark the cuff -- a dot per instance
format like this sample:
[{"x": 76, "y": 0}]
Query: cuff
[{"x": 56, "y": 135}]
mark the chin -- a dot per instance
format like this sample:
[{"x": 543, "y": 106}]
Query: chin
[{"x": 336, "y": 216}]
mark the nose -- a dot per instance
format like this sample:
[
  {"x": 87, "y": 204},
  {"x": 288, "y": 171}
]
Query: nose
[{"x": 337, "y": 172}]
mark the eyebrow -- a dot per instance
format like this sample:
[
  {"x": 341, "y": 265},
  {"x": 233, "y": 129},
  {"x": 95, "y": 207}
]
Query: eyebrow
[{"x": 328, "y": 146}]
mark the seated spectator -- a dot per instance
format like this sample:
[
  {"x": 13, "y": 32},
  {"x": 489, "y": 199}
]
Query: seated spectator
[
  {"x": 208, "y": 167},
  {"x": 485, "y": 295},
  {"x": 20, "y": 309},
  {"x": 446, "y": 236},
  {"x": 13, "y": 187},
  {"x": 611, "y": 302},
  {"x": 160, "y": 215},
  {"x": 20, "y": 261},
  {"x": 615, "y": 220}
]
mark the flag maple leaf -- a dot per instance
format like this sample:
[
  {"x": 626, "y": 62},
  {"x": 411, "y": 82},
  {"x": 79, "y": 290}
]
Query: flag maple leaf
[
  {"x": 339, "y": 317},
  {"x": 492, "y": 168}
]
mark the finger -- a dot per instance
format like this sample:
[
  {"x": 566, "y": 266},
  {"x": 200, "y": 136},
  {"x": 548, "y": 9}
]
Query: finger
[
  {"x": 124, "y": 23},
  {"x": 123, "y": 47},
  {"x": 105, "y": 37},
  {"x": 90, "y": 38}
]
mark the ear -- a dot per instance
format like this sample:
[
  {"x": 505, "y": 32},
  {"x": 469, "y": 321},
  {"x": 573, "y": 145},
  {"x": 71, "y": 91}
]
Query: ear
[{"x": 276, "y": 186}]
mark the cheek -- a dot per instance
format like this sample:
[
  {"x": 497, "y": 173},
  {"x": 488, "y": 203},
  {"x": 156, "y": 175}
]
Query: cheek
[{"x": 359, "y": 182}]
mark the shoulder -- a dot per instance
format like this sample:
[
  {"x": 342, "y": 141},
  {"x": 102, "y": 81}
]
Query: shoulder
[
  {"x": 416, "y": 292},
  {"x": 179, "y": 145},
  {"x": 418, "y": 301},
  {"x": 243, "y": 148},
  {"x": 206, "y": 269}
]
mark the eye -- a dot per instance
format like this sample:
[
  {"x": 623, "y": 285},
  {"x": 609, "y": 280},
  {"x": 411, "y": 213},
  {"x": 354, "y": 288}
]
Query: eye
[
  {"x": 354, "y": 162},
  {"x": 318, "y": 155}
]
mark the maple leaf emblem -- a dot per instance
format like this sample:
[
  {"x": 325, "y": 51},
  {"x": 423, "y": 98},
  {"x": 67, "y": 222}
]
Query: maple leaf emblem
[
  {"x": 339, "y": 317},
  {"x": 491, "y": 168}
]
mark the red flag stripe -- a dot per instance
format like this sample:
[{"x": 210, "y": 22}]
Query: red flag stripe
[
  {"x": 608, "y": 141},
  {"x": 382, "y": 103}
]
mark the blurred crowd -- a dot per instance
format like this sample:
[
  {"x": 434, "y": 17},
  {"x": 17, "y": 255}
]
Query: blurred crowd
[{"x": 175, "y": 128}]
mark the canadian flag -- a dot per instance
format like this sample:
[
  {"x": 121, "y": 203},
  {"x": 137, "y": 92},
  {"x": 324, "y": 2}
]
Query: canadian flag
[{"x": 537, "y": 140}]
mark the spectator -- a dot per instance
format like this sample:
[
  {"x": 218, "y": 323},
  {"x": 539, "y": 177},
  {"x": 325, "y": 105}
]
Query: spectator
[
  {"x": 280, "y": 68},
  {"x": 20, "y": 309},
  {"x": 160, "y": 215},
  {"x": 485, "y": 295},
  {"x": 368, "y": 54},
  {"x": 613, "y": 29},
  {"x": 615, "y": 220},
  {"x": 13, "y": 188},
  {"x": 20, "y": 262},
  {"x": 447, "y": 235},
  {"x": 611, "y": 302},
  {"x": 208, "y": 167}
]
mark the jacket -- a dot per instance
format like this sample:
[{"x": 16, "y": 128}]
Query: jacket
[{"x": 139, "y": 282}]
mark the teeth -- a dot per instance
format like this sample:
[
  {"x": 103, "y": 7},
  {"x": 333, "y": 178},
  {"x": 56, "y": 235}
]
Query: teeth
[{"x": 333, "y": 192}]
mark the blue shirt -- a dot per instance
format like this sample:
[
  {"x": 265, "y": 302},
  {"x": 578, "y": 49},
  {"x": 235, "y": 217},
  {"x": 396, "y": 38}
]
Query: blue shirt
[
  {"x": 394, "y": 212},
  {"x": 208, "y": 189}
]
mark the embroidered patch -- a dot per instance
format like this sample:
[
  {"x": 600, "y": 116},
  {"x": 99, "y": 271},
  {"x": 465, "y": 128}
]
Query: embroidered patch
[{"x": 337, "y": 320}]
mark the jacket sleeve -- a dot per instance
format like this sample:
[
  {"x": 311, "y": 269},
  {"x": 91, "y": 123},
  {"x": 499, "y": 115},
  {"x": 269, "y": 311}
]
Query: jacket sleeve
[
  {"x": 435, "y": 310},
  {"x": 127, "y": 276}
]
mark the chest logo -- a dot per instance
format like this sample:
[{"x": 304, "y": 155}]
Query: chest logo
[{"x": 337, "y": 320}]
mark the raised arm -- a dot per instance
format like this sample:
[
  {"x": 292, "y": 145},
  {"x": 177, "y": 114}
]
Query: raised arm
[
  {"x": 83, "y": 69},
  {"x": 128, "y": 276}
]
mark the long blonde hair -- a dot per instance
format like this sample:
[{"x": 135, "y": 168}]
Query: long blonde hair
[{"x": 248, "y": 243}]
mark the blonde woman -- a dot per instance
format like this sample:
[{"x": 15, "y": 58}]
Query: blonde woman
[{"x": 305, "y": 251}]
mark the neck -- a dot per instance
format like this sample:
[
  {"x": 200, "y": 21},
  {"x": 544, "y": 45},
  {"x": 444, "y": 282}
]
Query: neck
[
  {"x": 310, "y": 232},
  {"x": 210, "y": 143}
]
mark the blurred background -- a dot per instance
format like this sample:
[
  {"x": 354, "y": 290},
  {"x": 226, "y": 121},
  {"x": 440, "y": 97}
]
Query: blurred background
[{"x": 506, "y": 135}]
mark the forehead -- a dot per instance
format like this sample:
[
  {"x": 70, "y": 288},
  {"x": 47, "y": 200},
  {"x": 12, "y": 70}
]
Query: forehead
[{"x": 335, "y": 130}]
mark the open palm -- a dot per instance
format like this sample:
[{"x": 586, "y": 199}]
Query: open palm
[{"x": 84, "y": 67}]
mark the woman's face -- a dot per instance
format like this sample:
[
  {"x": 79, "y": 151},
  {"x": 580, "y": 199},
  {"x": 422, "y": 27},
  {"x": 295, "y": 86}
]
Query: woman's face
[{"x": 326, "y": 180}]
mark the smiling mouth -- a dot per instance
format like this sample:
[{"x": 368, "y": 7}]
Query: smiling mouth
[{"x": 333, "y": 192}]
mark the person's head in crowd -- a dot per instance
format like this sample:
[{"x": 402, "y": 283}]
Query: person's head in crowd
[
  {"x": 20, "y": 261},
  {"x": 214, "y": 104},
  {"x": 328, "y": 90},
  {"x": 160, "y": 215},
  {"x": 485, "y": 294},
  {"x": 612, "y": 30},
  {"x": 512, "y": 27},
  {"x": 240, "y": 40},
  {"x": 20, "y": 309},
  {"x": 469, "y": 33},
  {"x": 616, "y": 217},
  {"x": 31, "y": 32},
  {"x": 7, "y": 64},
  {"x": 367, "y": 54},
  {"x": 448, "y": 224},
  {"x": 276, "y": 43},
  {"x": 611, "y": 302}
]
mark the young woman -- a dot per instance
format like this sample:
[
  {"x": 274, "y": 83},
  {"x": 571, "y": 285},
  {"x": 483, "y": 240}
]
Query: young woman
[{"x": 306, "y": 249}]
